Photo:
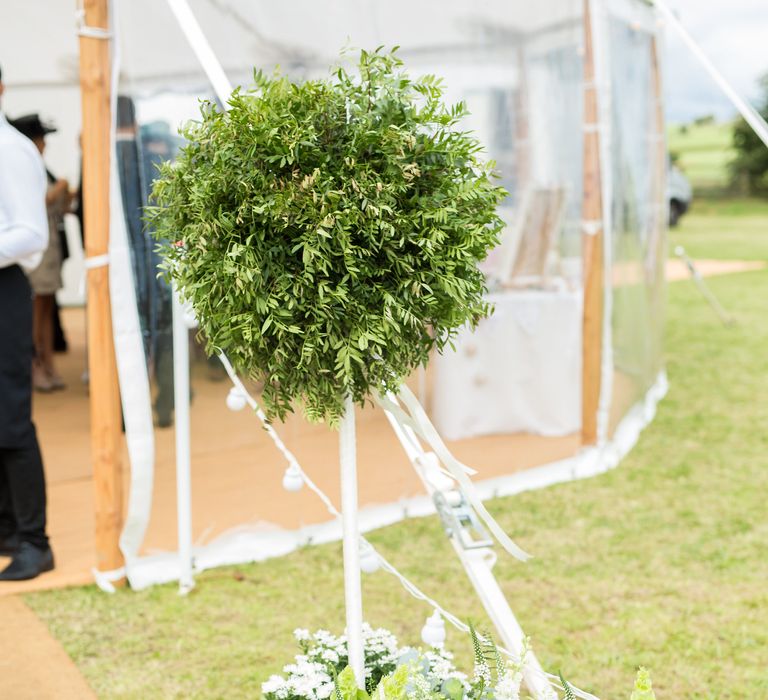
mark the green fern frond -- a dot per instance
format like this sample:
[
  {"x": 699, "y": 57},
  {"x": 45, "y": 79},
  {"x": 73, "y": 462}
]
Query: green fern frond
[
  {"x": 336, "y": 690},
  {"x": 476, "y": 645},
  {"x": 501, "y": 663},
  {"x": 567, "y": 688}
]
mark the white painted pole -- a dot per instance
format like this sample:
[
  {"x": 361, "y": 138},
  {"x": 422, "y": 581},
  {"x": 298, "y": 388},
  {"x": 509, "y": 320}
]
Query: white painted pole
[
  {"x": 349, "y": 517},
  {"x": 750, "y": 114},
  {"x": 183, "y": 462},
  {"x": 478, "y": 564},
  {"x": 202, "y": 49}
]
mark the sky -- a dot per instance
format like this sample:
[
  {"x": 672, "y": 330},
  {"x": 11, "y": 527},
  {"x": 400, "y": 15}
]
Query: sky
[{"x": 734, "y": 35}]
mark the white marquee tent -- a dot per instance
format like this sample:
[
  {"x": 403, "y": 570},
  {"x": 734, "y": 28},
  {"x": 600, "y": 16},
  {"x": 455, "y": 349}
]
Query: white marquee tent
[{"x": 566, "y": 96}]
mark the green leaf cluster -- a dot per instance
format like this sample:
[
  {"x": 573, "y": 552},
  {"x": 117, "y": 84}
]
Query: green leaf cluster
[
  {"x": 327, "y": 233},
  {"x": 643, "y": 686},
  {"x": 345, "y": 687},
  {"x": 406, "y": 682}
]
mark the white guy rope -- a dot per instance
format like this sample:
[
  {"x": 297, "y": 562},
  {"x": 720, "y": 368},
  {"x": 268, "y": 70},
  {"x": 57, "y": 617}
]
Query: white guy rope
[
  {"x": 257, "y": 410},
  {"x": 750, "y": 114},
  {"x": 407, "y": 584},
  {"x": 701, "y": 285}
]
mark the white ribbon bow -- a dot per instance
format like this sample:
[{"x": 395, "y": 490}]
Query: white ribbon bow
[{"x": 419, "y": 422}]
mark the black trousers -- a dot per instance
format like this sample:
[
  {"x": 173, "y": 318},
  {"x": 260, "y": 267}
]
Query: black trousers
[{"x": 22, "y": 480}]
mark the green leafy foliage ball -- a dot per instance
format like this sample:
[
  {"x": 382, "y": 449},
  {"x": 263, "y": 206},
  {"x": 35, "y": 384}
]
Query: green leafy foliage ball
[{"x": 327, "y": 233}]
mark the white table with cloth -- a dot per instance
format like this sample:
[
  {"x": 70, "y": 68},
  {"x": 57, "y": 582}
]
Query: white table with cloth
[{"x": 519, "y": 371}]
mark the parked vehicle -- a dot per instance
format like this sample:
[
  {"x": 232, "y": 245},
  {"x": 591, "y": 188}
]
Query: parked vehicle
[{"x": 679, "y": 193}]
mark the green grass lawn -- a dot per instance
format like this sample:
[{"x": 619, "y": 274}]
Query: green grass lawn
[
  {"x": 662, "y": 562},
  {"x": 730, "y": 229},
  {"x": 704, "y": 153}
]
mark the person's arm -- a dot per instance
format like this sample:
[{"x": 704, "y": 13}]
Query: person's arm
[
  {"x": 58, "y": 193},
  {"x": 22, "y": 197}
]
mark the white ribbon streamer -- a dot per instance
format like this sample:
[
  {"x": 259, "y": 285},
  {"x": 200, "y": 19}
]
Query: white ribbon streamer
[
  {"x": 420, "y": 423},
  {"x": 105, "y": 579}
]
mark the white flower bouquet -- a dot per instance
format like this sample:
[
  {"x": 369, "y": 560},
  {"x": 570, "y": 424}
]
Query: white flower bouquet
[{"x": 393, "y": 672}]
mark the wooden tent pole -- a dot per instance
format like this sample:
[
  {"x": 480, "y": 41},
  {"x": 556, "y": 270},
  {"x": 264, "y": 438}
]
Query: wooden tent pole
[
  {"x": 95, "y": 73},
  {"x": 592, "y": 246},
  {"x": 522, "y": 128}
]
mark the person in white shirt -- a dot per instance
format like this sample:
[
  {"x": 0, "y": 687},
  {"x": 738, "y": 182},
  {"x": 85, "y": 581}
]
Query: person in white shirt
[
  {"x": 23, "y": 238},
  {"x": 46, "y": 278}
]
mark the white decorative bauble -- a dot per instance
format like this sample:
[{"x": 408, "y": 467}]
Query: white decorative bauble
[
  {"x": 292, "y": 479},
  {"x": 453, "y": 498},
  {"x": 236, "y": 400},
  {"x": 369, "y": 560},
  {"x": 433, "y": 632}
]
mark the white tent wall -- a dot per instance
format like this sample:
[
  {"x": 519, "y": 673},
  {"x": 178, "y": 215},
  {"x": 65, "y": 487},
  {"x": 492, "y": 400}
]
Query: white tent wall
[
  {"x": 39, "y": 58},
  {"x": 518, "y": 66},
  {"x": 510, "y": 67},
  {"x": 635, "y": 170}
]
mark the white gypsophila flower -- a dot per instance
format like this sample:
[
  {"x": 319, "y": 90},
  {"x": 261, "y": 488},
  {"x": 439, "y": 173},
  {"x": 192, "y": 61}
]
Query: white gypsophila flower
[
  {"x": 379, "y": 642},
  {"x": 441, "y": 667},
  {"x": 329, "y": 655},
  {"x": 483, "y": 673},
  {"x": 311, "y": 681},
  {"x": 419, "y": 686},
  {"x": 550, "y": 694},
  {"x": 508, "y": 686},
  {"x": 326, "y": 690},
  {"x": 276, "y": 685},
  {"x": 301, "y": 635}
]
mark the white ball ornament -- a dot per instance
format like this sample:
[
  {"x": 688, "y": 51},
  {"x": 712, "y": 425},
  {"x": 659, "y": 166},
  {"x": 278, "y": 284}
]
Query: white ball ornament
[
  {"x": 433, "y": 632},
  {"x": 369, "y": 560},
  {"x": 292, "y": 479},
  {"x": 236, "y": 400}
]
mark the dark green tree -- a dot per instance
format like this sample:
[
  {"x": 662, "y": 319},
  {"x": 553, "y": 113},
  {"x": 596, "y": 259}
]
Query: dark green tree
[{"x": 749, "y": 169}]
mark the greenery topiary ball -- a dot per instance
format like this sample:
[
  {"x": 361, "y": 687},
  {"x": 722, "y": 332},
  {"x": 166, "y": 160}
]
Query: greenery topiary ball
[{"x": 327, "y": 233}]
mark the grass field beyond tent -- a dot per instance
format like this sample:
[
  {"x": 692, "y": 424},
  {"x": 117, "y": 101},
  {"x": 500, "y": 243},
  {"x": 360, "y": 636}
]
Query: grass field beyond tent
[
  {"x": 704, "y": 152},
  {"x": 662, "y": 562}
]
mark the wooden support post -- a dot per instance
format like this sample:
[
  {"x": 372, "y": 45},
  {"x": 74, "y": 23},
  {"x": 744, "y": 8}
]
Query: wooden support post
[
  {"x": 95, "y": 72},
  {"x": 592, "y": 246},
  {"x": 522, "y": 128}
]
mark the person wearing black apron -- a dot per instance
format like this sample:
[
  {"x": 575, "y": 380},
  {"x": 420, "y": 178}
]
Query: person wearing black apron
[{"x": 23, "y": 238}]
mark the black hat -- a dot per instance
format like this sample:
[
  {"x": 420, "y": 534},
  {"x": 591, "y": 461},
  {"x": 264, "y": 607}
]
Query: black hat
[{"x": 31, "y": 126}]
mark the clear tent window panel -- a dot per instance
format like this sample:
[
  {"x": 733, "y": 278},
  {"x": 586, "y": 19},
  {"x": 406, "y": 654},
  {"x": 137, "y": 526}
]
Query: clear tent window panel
[{"x": 509, "y": 397}]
